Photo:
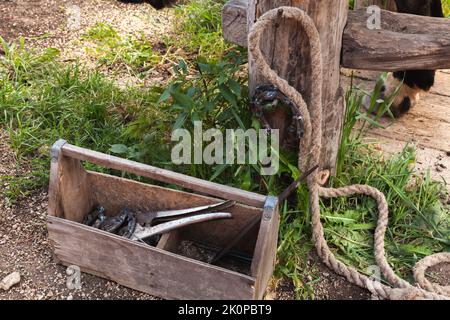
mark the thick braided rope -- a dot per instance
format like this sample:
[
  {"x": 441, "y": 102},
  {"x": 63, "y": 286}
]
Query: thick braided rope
[
  {"x": 423, "y": 265},
  {"x": 309, "y": 155}
]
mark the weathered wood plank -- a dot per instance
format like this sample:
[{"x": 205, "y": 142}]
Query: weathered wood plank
[
  {"x": 234, "y": 22},
  {"x": 54, "y": 193},
  {"x": 404, "y": 42},
  {"x": 416, "y": 127},
  {"x": 115, "y": 193},
  {"x": 199, "y": 185},
  {"x": 285, "y": 48},
  {"x": 69, "y": 191},
  {"x": 75, "y": 191},
  {"x": 169, "y": 241},
  {"x": 433, "y": 106},
  {"x": 142, "y": 267},
  {"x": 366, "y": 79},
  {"x": 442, "y": 84},
  {"x": 264, "y": 259},
  {"x": 426, "y": 124}
]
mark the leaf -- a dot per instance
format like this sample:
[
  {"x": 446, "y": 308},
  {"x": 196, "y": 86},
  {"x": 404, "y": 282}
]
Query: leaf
[
  {"x": 218, "y": 171},
  {"x": 183, "y": 99},
  {"x": 238, "y": 119},
  {"x": 183, "y": 66},
  {"x": 149, "y": 137},
  {"x": 119, "y": 148},
  {"x": 247, "y": 182},
  {"x": 166, "y": 94},
  {"x": 204, "y": 67},
  {"x": 235, "y": 87},
  {"x": 192, "y": 91},
  {"x": 370, "y": 121},
  {"x": 256, "y": 124},
  {"x": 337, "y": 218},
  {"x": 227, "y": 94},
  {"x": 407, "y": 201},
  {"x": 180, "y": 121},
  {"x": 209, "y": 106},
  {"x": 422, "y": 250},
  {"x": 195, "y": 117}
]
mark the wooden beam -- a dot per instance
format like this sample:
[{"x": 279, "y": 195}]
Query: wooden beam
[
  {"x": 142, "y": 267},
  {"x": 287, "y": 52},
  {"x": 234, "y": 22},
  {"x": 404, "y": 42},
  {"x": 199, "y": 185},
  {"x": 264, "y": 259}
]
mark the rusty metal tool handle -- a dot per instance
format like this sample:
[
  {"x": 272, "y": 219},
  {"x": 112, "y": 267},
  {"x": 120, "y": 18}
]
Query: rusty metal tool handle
[
  {"x": 176, "y": 224},
  {"x": 246, "y": 229},
  {"x": 294, "y": 185}
]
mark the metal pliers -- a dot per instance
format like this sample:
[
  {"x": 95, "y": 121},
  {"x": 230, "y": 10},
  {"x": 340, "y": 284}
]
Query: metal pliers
[
  {"x": 141, "y": 225},
  {"x": 178, "y": 218}
]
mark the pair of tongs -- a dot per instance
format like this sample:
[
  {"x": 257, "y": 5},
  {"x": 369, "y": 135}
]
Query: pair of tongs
[{"x": 146, "y": 229}]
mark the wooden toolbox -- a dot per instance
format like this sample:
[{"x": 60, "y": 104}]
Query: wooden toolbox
[{"x": 163, "y": 270}]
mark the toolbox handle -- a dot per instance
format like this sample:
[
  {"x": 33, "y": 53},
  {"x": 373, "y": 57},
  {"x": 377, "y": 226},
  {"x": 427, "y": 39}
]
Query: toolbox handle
[{"x": 162, "y": 175}]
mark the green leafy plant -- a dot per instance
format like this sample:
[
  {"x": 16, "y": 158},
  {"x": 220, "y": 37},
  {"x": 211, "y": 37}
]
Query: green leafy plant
[
  {"x": 213, "y": 94},
  {"x": 198, "y": 28}
]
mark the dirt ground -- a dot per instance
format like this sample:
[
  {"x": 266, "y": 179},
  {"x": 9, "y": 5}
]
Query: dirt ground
[
  {"x": 29, "y": 18},
  {"x": 24, "y": 245}
]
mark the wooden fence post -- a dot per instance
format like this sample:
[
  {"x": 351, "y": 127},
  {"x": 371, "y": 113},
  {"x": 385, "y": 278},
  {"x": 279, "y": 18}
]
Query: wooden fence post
[
  {"x": 425, "y": 45},
  {"x": 286, "y": 51}
]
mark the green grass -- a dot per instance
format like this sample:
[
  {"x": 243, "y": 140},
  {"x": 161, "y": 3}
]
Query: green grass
[
  {"x": 42, "y": 100},
  {"x": 419, "y": 221},
  {"x": 198, "y": 28},
  {"x": 133, "y": 54},
  {"x": 446, "y": 7}
]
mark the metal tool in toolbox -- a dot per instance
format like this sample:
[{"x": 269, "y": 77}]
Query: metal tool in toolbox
[
  {"x": 146, "y": 220},
  {"x": 141, "y": 225},
  {"x": 246, "y": 229}
]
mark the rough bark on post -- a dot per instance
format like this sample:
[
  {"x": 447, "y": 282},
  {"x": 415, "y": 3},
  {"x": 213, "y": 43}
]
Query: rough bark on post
[{"x": 287, "y": 53}]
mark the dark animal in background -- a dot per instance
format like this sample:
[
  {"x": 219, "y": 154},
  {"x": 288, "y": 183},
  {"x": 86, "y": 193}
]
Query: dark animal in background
[
  {"x": 415, "y": 82},
  {"x": 157, "y": 4}
]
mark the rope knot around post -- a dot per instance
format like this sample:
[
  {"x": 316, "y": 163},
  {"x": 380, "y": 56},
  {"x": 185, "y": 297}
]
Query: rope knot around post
[{"x": 309, "y": 155}]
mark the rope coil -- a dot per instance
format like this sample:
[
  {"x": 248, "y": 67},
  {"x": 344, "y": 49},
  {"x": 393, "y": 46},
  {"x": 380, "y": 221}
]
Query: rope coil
[{"x": 309, "y": 154}]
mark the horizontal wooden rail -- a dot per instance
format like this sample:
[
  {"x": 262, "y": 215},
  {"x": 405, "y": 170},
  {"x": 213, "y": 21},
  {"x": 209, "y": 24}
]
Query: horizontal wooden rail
[
  {"x": 234, "y": 21},
  {"x": 404, "y": 41},
  {"x": 195, "y": 184}
]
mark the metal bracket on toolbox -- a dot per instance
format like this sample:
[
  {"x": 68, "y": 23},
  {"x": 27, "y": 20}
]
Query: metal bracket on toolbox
[{"x": 56, "y": 149}]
